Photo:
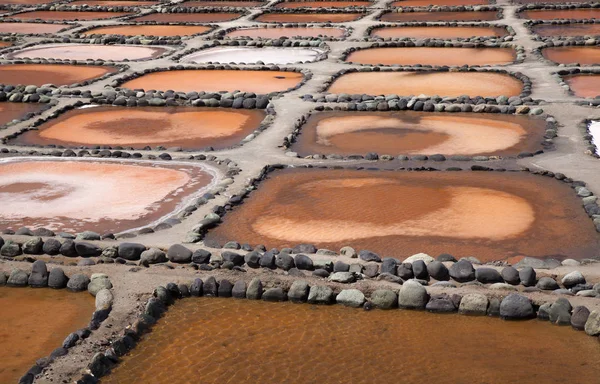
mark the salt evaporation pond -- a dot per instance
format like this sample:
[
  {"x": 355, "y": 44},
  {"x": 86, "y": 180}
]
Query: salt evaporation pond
[
  {"x": 552, "y": 14},
  {"x": 569, "y": 55},
  {"x": 67, "y": 15},
  {"x": 441, "y": 3},
  {"x": 439, "y": 16},
  {"x": 584, "y": 85},
  {"x": 321, "y": 4},
  {"x": 594, "y": 129},
  {"x": 115, "y": 3},
  {"x": 149, "y": 30},
  {"x": 454, "y": 56},
  {"x": 194, "y": 17},
  {"x": 275, "y": 17},
  {"x": 89, "y": 51},
  {"x": 252, "y": 55},
  {"x": 31, "y": 27},
  {"x": 444, "y": 32},
  {"x": 57, "y": 74},
  {"x": 572, "y": 29},
  {"x": 278, "y": 32},
  {"x": 10, "y": 111},
  {"x": 27, "y": 2},
  {"x": 221, "y": 3}
]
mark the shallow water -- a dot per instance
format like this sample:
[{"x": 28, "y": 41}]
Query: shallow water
[
  {"x": 150, "y": 30},
  {"x": 251, "y": 55},
  {"x": 186, "y": 127},
  {"x": 308, "y": 17},
  {"x": 569, "y": 55},
  {"x": 217, "y": 340},
  {"x": 262, "y": 82},
  {"x": 35, "y": 322},
  {"x": 322, "y": 4},
  {"x": 31, "y": 27},
  {"x": 213, "y": 17},
  {"x": 584, "y": 85},
  {"x": 10, "y": 111},
  {"x": 450, "y": 84},
  {"x": 438, "y": 32},
  {"x": 432, "y": 56},
  {"x": 539, "y": 14},
  {"x": 89, "y": 51},
  {"x": 549, "y": 1},
  {"x": 418, "y": 133},
  {"x": 276, "y": 33},
  {"x": 33, "y": 2},
  {"x": 439, "y": 16},
  {"x": 218, "y": 3},
  {"x": 491, "y": 216},
  {"x": 57, "y": 74},
  {"x": 67, "y": 15},
  {"x": 115, "y": 3},
  {"x": 567, "y": 30},
  {"x": 443, "y": 3}
]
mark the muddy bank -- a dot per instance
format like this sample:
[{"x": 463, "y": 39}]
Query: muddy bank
[
  {"x": 454, "y": 56},
  {"x": 439, "y": 16},
  {"x": 150, "y": 30},
  {"x": 438, "y": 32},
  {"x": 57, "y": 74},
  {"x": 89, "y": 51}
]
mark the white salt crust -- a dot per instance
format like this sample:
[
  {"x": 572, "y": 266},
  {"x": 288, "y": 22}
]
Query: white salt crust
[{"x": 251, "y": 55}]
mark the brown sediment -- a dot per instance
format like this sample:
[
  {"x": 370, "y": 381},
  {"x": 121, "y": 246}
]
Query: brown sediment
[
  {"x": 67, "y": 195},
  {"x": 208, "y": 340},
  {"x": 322, "y": 4},
  {"x": 454, "y": 56},
  {"x": 12, "y": 111},
  {"x": 209, "y": 17},
  {"x": 262, "y": 82},
  {"x": 573, "y": 29},
  {"x": 221, "y": 3},
  {"x": 33, "y": 2},
  {"x": 34, "y": 323},
  {"x": 548, "y": 14},
  {"x": 308, "y": 17},
  {"x": 439, "y": 16},
  {"x": 4, "y": 44},
  {"x": 489, "y": 215},
  {"x": 275, "y": 33},
  {"x": 150, "y": 30},
  {"x": 418, "y": 133},
  {"x": 444, "y": 84},
  {"x": 67, "y": 15},
  {"x": 31, "y": 27},
  {"x": 185, "y": 127},
  {"x": 438, "y": 32},
  {"x": 446, "y": 3},
  {"x": 115, "y": 3},
  {"x": 548, "y": 1},
  {"x": 569, "y": 55},
  {"x": 89, "y": 51},
  {"x": 584, "y": 85},
  {"x": 57, "y": 74}
]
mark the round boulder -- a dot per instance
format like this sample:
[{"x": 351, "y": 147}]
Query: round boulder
[
  {"x": 10, "y": 249},
  {"x": 17, "y": 278},
  {"x": 592, "y": 325},
  {"x": 255, "y": 289},
  {"x": 320, "y": 295},
  {"x": 462, "y": 271},
  {"x": 303, "y": 262},
  {"x": 33, "y": 246},
  {"x": 153, "y": 256},
  {"x": 438, "y": 271},
  {"x": 384, "y": 299},
  {"x": 516, "y": 307},
  {"x": 131, "y": 251},
  {"x": 440, "y": 303},
  {"x": 177, "y": 253},
  {"x": 572, "y": 279},
  {"x": 412, "y": 295},
  {"x": 39, "y": 274},
  {"x": 274, "y": 294},
  {"x": 298, "y": 292},
  {"x": 350, "y": 298},
  {"x": 579, "y": 317},
  {"x": 474, "y": 304},
  {"x": 510, "y": 275},
  {"x": 419, "y": 256},
  {"x": 98, "y": 282},
  {"x": 547, "y": 284},
  {"x": 78, "y": 282},
  {"x": 527, "y": 276},
  {"x": 57, "y": 278},
  {"x": 51, "y": 247},
  {"x": 488, "y": 276}
]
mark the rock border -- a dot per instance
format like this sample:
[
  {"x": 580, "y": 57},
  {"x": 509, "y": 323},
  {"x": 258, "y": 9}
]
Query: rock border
[
  {"x": 557, "y": 7},
  {"x": 70, "y": 25},
  {"x": 510, "y": 32},
  {"x": 466, "y": 8},
  {"x": 173, "y": 10},
  {"x": 531, "y": 24},
  {"x": 221, "y": 33},
  {"x": 560, "y": 75},
  {"x": 363, "y": 12},
  {"x": 538, "y": 52},
  {"x": 28, "y": 116},
  {"x": 142, "y": 39}
]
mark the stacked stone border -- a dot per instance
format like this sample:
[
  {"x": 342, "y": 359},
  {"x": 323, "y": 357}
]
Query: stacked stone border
[
  {"x": 318, "y": 11},
  {"x": 592, "y": 149},
  {"x": 564, "y": 43},
  {"x": 47, "y": 104},
  {"x": 390, "y": 2},
  {"x": 482, "y": 8},
  {"x": 561, "y": 74},
  {"x": 556, "y": 7},
  {"x": 48, "y": 8},
  {"x": 531, "y": 24},
  {"x": 238, "y": 11},
  {"x": 452, "y": 24},
  {"x": 71, "y": 25},
  {"x": 221, "y": 34},
  {"x": 140, "y": 39}
]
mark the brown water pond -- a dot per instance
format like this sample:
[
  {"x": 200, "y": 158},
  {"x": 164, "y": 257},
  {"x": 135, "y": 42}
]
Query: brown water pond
[
  {"x": 584, "y": 85},
  {"x": 186, "y": 127},
  {"x": 67, "y": 15},
  {"x": 66, "y": 195},
  {"x": 38, "y": 321},
  {"x": 11, "y": 111},
  {"x": 544, "y": 14},
  {"x": 216, "y": 340},
  {"x": 438, "y": 32},
  {"x": 89, "y": 51},
  {"x": 27, "y": 2},
  {"x": 115, "y": 3},
  {"x": 573, "y": 29},
  {"x": 221, "y": 3},
  {"x": 488, "y": 215},
  {"x": 308, "y": 17},
  {"x": 212, "y": 17},
  {"x": 4, "y": 44},
  {"x": 443, "y": 3},
  {"x": 31, "y": 27},
  {"x": 322, "y": 4},
  {"x": 57, "y": 74},
  {"x": 261, "y": 82},
  {"x": 439, "y": 16},
  {"x": 569, "y": 55},
  {"x": 549, "y": 1},
  {"x": 419, "y": 133},
  {"x": 454, "y": 56},
  {"x": 444, "y": 84},
  {"x": 276, "y": 33},
  {"x": 150, "y": 30}
]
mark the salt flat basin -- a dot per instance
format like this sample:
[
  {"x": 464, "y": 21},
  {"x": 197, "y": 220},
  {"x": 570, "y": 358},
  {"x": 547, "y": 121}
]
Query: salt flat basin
[
  {"x": 251, "y": 55},
  {"x": 115, "y": 3},
  {"x": 545, "y": 14},
  {"x": 322, "y": 4},
  {"x": 438, "y": 32},
  {"x": 31, "y": 27},
  {"x": 27, "y": 2},
  {"x": 423, "y": 133},
  {"x": 276, "y": 33},
  {"x": 573, "y": 29},
  {"x": 432, "y": 56},
  {"x": 548, "y": 1},
  {"x": 11, "y": 111},
  {"x": 491, "y": 215},
  {"x": 57, "y": 74},
  {"x": 25, "y": 337},
  {"x": 89, "y": 51},
  {"x": 67, "y": 15},
  {"x": 444, "y": 3},
  {"x": 221, "y": 3},
  {"x": 213, "y": 17},
  {"x": 261, "y": 82},
  {"x": 444, "y": 84},
  {"x": 594, "y": 131},
  {"x": 150, "y": 30},
  {"x": 569, "y": 55},
  {"x": 65, "y": 195},
  {"x": 185, "y": 127},
  {"x": 308, "y": 17},
  {"x": 584, "y": 85},
  {"x": 439, "y": 16}
]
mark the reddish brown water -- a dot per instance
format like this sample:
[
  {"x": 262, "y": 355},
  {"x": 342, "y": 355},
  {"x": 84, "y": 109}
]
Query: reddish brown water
[
  {"x": 439, "y": 16},
  {"x": 11, "y": 111},
  {"x": 540, "y": 14},
  {"x": 32, "y": 2},
  {"x": 432, "y": 56},
  {"x": 276, "y": 33},
  {"x": 444, "y": 3},
  {"x": 438, "y": 32},
  {"x": 445, "y": 84},
  {"x": 150, "y": 30},
  {"x": 418, "y": 133},
  {"x": 219, "y": 3},
  {"x": 89, "y": 51},
  {"x": 67, "y": 195},
  {"x": 115, "y": 3},
  {"x": 57, "y": 74},
  {"x": 322, "y": 4},
  {"x": 568, "y": 55},
  {"x": 213, "y": 17},
  {"x": 309, "y": 17},
  {"x": 67, "y": 15},
  {"x": 31, "y": 27},
  {"x": 198, "y": 339},
  {"x": 262, "y": 82},
  {"x": 574, "y": 29},
  {"x": 490, "y": 215},
  {"x": 4, "y": 44},
  {"x": 584, "y": 85},
  {"x": 34, "y": 323},
  {"x": 186, "y": 127},
  {"x": 549, "y": 1}
]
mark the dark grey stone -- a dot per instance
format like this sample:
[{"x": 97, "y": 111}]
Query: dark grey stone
[
  {"x": 39, "y": 274},
  {"x": 420, "y": 270},
  {"x": 210, "y": 287},
  {"x": 560, "y": 312},
  {"x": 516, "y": 307},
  {"x": 17, "y": 278},
  {"x": 177, "y": 253},
  {"x": 274, "y": 294},
  {"x": 389, "y": 265},
  {"x": 131, "y": 251},
  {"x": 255, "y": 289},
  {"x": 196, "y": 289},
  {"x": 239, "y": 289},
  {"x": 438, "y": 271},
  {"x": 201, "y": 256},
  {"x": 51, "y": 247},
  {"x": 67, "y": 248},
  {"x": 462, "y": 271},
  {"x": 57, "y": 278},
  {"x": 303, "y": 262},
  {"x": 10, "y": 249},
  {"x": 225, "y": 288},
  {"x": 527, "y": 276},
  {"x": 371, "y": 270},
  {"x": 488, "y": 276},
  {"x": 78, "y": 282},
  {"x": 440, "y": 303},
  {"x": 84, "y": 249},
  {"x": 284, "y": 261},
  {"x": 33, "y": 246},
  {"x": 298, "y": 292},
  {"x": 405, "y": 271},
  {"x": 305, "y": 248},
  {"x": 252, "y": 259},
  {"x": 368, "y": 256},
  {"x": 267, "y": 260},
  {"x": 579, "y": 317},
  {"x": 547, "y": 284},
  {"x": 510, "y": 275}
]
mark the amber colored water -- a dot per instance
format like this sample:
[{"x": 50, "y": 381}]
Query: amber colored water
[
  {"x": 540, "y": 14},
  {"x": 213, "y": 17},
  {"x": 67, "y": 15},
  {"x": 486, "y": 214},
  {"x": 89, "y": 51},
  {"x": 567, "y": 29},
  {"x": 438, "y": 32},
  {"x": 150, "y": 30},
  {"x": 31, "y": 27},
  {"x": 11, "y": 111},
  {"x": 445, "y": 84},
  {"x": 26, "y": 1},
  {"x": 432, "y": 56},
  {"x": 445, "y": 3},
  {"x": 186, "y": 127},
  {"x": 4, "y": 44},
  {"x": 322, "y": 4},
  {"x": 549, "y": 1},
  {"x": 102, "y": 196},
  {"x": 275, "y": 33},
  {"x": 439, "y": 16},
  {"x": 308, "y": 17},
  {"x": 219, "y": 3},
  {"x": 57, "y": 74},
  {"x": 584, "y": 85},
  {"x": 115, "y": 3},
  {"x": 34, "y": 322},
  {"x": 568, "y": 55},
  {"x": 418, "y": 133},
  {"x": 218, "y": 340},
  {"x": 262, "y": 82}
]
